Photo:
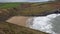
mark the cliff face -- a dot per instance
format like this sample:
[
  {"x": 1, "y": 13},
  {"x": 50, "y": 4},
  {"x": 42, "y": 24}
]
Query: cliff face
[
  {"x": 28, "y": 9},
  {"x": 8, "y": 28},
  {"x": 32, "y": 9},
  {"x": 41, "y": 9}
]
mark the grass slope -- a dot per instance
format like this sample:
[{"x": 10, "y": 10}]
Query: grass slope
[
  {"x": 8, "y": 10},
  {"x": 8, "y": 5},
  {"x": 31, "y": 8},
  {"x": 14, "y": 4},
  {"x": 40, "y": 9},
  {"x": 8, "y": 28}
]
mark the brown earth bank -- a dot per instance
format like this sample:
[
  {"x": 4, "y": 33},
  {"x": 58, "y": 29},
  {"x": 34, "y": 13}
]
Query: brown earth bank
[
  {"x": 30, "y": 9},
  {"x": 9, "y": 28}
]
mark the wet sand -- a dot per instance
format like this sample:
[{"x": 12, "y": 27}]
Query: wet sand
[{"x": 19, "y": 20}]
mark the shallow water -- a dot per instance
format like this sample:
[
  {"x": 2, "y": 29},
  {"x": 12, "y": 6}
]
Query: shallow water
[{"x": 49, "y": 23}]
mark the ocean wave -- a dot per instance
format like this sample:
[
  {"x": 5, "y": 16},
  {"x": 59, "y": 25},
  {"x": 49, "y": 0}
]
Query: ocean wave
[{"x": 44, "y": 23}]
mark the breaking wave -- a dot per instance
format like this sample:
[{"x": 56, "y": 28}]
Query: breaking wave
[{"x": 44, "y": 23}]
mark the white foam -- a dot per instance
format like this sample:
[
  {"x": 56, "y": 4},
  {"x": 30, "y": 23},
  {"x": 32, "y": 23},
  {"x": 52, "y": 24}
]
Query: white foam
[{"x": 43, "y": 23}]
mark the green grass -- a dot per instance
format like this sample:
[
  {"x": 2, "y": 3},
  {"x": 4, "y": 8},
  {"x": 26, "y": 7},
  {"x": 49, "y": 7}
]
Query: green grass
[
  {"x": 8, "y": 5},
  {"x": 29, "y": 9},
  {"x": 14, "y": 4}
]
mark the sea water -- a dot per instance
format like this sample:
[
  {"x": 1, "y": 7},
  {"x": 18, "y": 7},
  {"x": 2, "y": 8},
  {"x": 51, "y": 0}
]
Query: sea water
[{"x": 49, "y": 23}]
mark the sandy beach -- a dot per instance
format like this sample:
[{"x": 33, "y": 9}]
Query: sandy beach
[{"x": 19, "y": 20}]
